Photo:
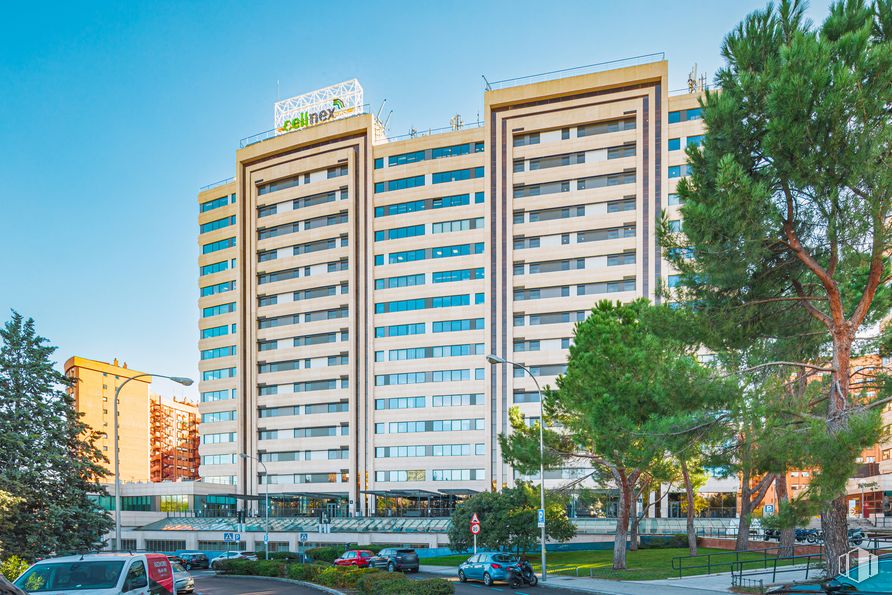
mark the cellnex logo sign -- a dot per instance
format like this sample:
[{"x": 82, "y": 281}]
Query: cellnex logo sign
[
  {"x": 322, "y": 105},
  {"x": 305, "y": 119}
]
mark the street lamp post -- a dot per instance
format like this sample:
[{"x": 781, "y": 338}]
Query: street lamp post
[
  {"x": 266, "y": 515},
  {"x": 179, "y": 380},
  {"x": 495, "y": 360}
]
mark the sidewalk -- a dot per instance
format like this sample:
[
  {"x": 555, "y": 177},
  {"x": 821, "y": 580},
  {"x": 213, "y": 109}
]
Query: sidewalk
[{"x": 607, "y": 587}]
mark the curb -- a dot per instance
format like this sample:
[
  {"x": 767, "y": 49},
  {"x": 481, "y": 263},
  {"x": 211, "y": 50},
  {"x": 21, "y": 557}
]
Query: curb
[{"x": 286, "y": 580}]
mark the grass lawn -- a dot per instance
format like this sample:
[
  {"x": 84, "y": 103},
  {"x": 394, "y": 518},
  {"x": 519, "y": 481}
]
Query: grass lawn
[{"x": 648, "y": 564}]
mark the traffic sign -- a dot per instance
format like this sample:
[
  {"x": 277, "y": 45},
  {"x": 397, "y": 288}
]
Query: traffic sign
[
  {"x": 769, "y": 509},
  {"x": 475, "y": 528},
  {"x": 266, "y": 538},
  {"x": 303, "y": 538},
  {"x": 236, "y": 537},
  {"x": 540, "y": 518},
  {"x": 475, "y": 519}
]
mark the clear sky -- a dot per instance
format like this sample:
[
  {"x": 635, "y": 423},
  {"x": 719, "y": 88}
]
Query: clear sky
[{"x": 113, "y": 114}]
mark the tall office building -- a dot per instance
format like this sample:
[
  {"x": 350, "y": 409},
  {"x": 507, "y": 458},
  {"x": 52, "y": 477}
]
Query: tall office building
[
  {"x": 351, "y": 284},
  {"x": 93, "y": 388}
]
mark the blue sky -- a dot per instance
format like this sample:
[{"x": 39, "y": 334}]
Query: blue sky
[{"x": 113, "y": 114}]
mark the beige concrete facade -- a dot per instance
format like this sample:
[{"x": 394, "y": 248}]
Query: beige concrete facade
[
  {"x": 373, "y": 276},
  {"x": 93, "y": 387}
]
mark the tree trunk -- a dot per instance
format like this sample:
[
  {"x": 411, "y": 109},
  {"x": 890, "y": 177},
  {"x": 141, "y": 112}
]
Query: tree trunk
[
  {"x": 787, "y": 535},
  {"x": 633, "y": 515},
  {"x": 743, "y": 524},
  {"x": 689, "y": 493},
  {"x": 835, "y": 518},
  {"x": 622, "y": 525}
]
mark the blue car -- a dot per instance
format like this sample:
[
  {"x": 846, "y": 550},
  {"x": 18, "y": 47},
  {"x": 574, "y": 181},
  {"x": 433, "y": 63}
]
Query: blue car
[
  {"x": 486, "y": 567},
  {"x": 879, "y": 584}
]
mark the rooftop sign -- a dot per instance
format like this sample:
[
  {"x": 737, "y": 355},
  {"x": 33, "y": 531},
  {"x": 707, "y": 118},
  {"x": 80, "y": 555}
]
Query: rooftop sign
[{"x": 329, "y": 103}]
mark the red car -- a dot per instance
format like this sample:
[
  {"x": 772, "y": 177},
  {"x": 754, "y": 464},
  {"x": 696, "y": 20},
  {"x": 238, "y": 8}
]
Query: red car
[{"x": 358, "y": 558}]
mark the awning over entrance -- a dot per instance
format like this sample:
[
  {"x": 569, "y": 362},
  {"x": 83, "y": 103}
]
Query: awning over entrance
[{"x": 458, "y": 491}]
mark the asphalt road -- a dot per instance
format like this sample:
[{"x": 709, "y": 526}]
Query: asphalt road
[
  {"x": 208, "y": 584},
  {"x": 472, "y": 588}
]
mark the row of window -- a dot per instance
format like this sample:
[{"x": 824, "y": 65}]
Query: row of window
[
  {"x": 266, "y": 233},
  {"x": 217, "y": 203},
  {"x": 458, "y": 400},
  {"x": 306, "y": 178},
  {"x": 303, "y": 364},
  {"x": 332, "y": 454},
  {"x": 412, "y": 231},
  {"x": 218, "y": 352},
  {"x": 217, "y": 267},
  {"x": 304, "y": 340},
  {"x": 436, "y": 475},
  {"x": 694, "y": 113},
  {"x": 429, "y": 450},
  {"x": 542, "y": 293},
  {"x": 303, "y": 202},
  {"x": 219, "y": 374},
  {"x": 428, "y": 376},
  {"x": 549, "y": 318},
  {"x": 305, "y": 248},
  {"x": 218, "y": 310},
  {"x": 419, "y": 328},
  {"x": 430, "y": 253},
  {"x": 303, "y": 387},
  {"x": 218, "y": 416},
  {"x": 600, "y": 181},
  {"x": 315, "y": 432},
  {"x": 431, "y": 425},
  {"x": 448, "y": 301},
  {"x": 218, "y": 395},
  {"x": 677, "y": 171},
  {"x": 426, "y": 204},
  {"x": 300, "y": 478},
  {"x": 304, "y": 271},
  {"x": 218, "y": 331},
  {"x": 426, "y": 154},
  {"x": 430, "y": 352},
  {"x": 218, "y": 438},
  {"x": 534, "y": 138},
  {"x": 218, "y": 245},
  {"x": 217, "y": 224},
  {"x": 313, "y": 409},
  {"x": 692, "y": 141},
  {"x": 614, "y": 206},
  {"x": 441, "y": 177},
  {"x": 217, "y": 288},
  {"x": 311, "y": 293},
  {"x": 314, "y": 316}
]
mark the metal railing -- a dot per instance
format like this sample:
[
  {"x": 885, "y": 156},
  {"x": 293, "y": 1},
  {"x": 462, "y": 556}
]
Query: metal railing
[
  {"x": 728, "y": 561},
  {"x": 787, "y": 564},
  {"x": 432, "y": 131},
  {"x": 576, "y": 70},
  {"x": 217, "y": 184},
  {"x": 749, "y": 583}
]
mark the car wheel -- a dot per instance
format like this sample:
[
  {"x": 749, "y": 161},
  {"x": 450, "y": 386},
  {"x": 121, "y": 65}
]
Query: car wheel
[
  {"x": 390, "y": 567},
  {"x": 461, "y": 576},
  {"x": 188, "y": 567},
  {"x": 487, "y": 580}
]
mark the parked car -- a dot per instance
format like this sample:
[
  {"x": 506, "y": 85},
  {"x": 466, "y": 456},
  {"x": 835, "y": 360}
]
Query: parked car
[
  {"x": 248, "y": 555},
  {"x": 391, "y": 558},
  {"x": 487, "y": 568},
  {"x": 194, "y": 560},
  {"x": 100, "y": 574},
  {"x": 174, "y": 559},
  {"x": 183, "y": 580},
  {"x": 358, "y": 558},
  {"x": 215, "y": 563}
]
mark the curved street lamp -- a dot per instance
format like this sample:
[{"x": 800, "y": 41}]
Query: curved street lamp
[
  {"x": 265, "y": 472},
  {"x": 179, "y": 380},
  {"x": 495, "y": 360}
]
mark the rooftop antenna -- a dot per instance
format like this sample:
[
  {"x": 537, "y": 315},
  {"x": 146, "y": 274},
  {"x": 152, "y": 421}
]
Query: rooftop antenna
[
  {"x": 387, "y": 119},
  {"x": 455, "y": 122},
  {"x": 692, "y": 79},
  {"x": 412, "y": 132},
  {"x": 277, "y": 90},
  {"x": 377, "y": 116}
]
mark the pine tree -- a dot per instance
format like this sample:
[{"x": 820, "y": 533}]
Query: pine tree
[
  {"x": 48, "y": 461},
  {"x": 785, "y": 216}
]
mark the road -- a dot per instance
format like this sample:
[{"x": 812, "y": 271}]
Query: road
[
  {"x": 208, "y": 584},
  {"x": 471, "y": 588}
]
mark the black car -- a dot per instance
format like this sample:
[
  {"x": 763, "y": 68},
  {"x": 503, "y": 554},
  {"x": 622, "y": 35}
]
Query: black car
[
  {"x": 192, "y": 560},
  {"x": 404, "y": 559}
]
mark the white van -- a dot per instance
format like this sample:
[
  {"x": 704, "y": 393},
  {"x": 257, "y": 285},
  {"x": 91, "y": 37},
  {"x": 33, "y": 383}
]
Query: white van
[{"x": 100, "y": 574}]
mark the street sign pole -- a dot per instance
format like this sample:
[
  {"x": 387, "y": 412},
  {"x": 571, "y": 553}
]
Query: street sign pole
[{"x": 475, "y": 543}]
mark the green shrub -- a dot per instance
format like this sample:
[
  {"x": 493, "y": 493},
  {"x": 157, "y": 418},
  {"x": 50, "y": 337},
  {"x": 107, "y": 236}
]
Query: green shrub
[
  {"x": 343, "y": 577},
  {"x": 13, "y": 567},
  {"x": 433, "y": 586},
  {"x": 326, "y": 553},
  {"x": 665, "y": 541},
  {"x": 269, "y": 568},
  {"x": 398, "y": 584},
  {"x": 242, "y": 567},
  {"x": 376, "y": 582},
  {"x": 304, "y": 572}
]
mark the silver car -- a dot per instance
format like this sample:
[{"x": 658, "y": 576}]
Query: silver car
[{"x": 182, "y": 579}]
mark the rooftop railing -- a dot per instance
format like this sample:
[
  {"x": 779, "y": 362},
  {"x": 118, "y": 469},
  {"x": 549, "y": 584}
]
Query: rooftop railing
[
  {"x": 216, "y": 184},
  {"x": 431, "y": 131},
  {"x": 575, "y": 71}
]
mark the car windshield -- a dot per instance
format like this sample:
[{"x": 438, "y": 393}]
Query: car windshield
[
  {"x": 504, "y": 558},
  {"x": 366, "y": 554},
  {"x": 71, "y": 576},
  {"x": 178, "y": 568}
]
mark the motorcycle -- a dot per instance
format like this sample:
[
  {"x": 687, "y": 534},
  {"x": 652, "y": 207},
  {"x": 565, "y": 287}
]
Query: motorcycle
[
  {"x": 522, "y": 574},
  {"x": 856, "y": 536}
]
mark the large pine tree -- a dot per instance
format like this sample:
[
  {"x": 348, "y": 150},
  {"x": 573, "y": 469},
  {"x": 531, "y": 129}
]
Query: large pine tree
[
  {"x": 786, "y": 230},
  {"x": 48, "y": 461}
]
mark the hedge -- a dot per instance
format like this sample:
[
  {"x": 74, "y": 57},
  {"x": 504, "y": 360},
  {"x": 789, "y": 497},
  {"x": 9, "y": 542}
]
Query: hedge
[
  {"x": 365, "y": 580},
  {"x": 659, "y": 542}
]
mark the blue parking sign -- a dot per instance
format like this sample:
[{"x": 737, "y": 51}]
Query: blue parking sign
[{"x": 540, "y": 518}]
